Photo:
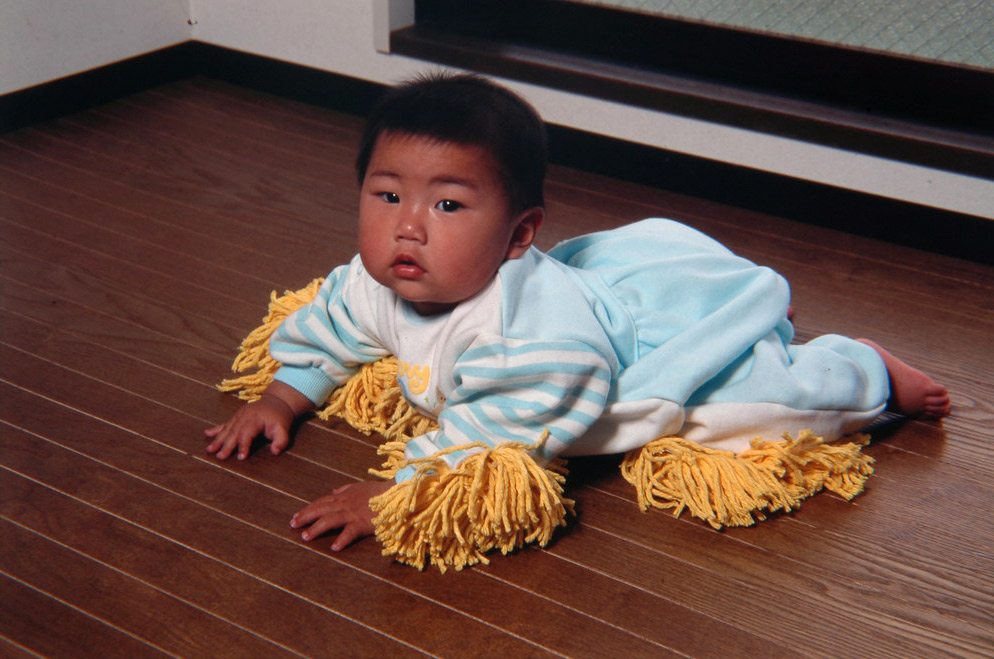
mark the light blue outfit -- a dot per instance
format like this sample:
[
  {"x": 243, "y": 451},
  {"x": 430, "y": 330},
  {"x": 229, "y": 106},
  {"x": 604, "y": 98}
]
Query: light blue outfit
[{"x": 608, "y": 341}]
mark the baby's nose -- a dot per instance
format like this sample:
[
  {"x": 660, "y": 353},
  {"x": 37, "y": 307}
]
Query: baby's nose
[{"x": 410, "y": 227}]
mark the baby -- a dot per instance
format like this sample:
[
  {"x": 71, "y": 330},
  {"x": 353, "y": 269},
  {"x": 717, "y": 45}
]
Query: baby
[{"x": 606, "y": 342}]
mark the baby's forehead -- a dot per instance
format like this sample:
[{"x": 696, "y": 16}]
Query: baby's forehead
[
  {"x": 480, "y": 153},
  {"x": 406, "y": 139}
]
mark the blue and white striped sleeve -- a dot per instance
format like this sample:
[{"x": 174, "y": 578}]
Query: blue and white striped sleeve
[
  {"x": 511, "y": 390},
  {"x": 321, "y": 344}
]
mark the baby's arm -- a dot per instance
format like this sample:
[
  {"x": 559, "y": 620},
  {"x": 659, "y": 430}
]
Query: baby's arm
[
  {"x": 270, "y": 416},
  {"x": 346, "y": 508}
]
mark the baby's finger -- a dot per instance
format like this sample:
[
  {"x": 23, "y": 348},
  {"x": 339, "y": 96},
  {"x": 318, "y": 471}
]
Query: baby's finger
[
  {"x": 226, "y": 444},
  {"x": 216, "y": 445},
  {"x": 340, "y": 489},
  {"x": 323, "y": 524},
  {"x": 222, "y": 448},
  {"x": 279, "y": 439},
  {"x": 244, "y": 443},
  {"x": 348, "y": 535},
  {"x": 308, "y": 513}
]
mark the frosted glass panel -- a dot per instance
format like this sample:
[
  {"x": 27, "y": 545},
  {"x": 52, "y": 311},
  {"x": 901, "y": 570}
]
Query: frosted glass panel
[{"x": 955, "y": 31}]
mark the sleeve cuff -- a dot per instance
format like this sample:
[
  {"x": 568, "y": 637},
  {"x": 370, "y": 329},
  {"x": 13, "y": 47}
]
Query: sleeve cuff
[
  {"x": 404, "y": 474},
  {"x": 309, "y": 381}
]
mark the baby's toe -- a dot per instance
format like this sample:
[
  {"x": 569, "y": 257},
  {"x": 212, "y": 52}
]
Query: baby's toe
[{"x": 937, "y": 407}]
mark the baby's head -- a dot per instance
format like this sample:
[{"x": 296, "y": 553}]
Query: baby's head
[
  {"x": 451, "y": 169},
  {"x": 469, "y": 110}
]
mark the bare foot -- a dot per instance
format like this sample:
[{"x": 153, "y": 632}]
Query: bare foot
[{"x": 912, "y": 392}]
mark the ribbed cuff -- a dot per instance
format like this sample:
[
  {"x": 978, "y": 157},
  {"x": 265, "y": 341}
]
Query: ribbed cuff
[{"x": 309, "y": 381}]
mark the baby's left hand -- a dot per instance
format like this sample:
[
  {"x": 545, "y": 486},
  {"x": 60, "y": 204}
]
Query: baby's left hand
[{"x": 346, "y": 508}]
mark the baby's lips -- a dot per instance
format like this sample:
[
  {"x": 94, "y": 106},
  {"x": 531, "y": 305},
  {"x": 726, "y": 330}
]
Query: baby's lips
[
  {"x": 407, "y": 267},
  {"x": 404, "y": 259}
]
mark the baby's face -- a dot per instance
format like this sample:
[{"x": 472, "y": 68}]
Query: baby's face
[{"x": 434, "y": 220}]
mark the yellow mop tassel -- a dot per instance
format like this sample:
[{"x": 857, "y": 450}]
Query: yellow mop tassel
[
  {"x": 371, "y": 401},
  {"x": 254, "y": 351},
  {"x": 451, "y": 517},
  {"x": 729, "y": 489},
  {"x": 496, "y": 499}
]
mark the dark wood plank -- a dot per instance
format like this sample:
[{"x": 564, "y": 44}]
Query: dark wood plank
[
  {"x": 215, "y": 588},
  {"x": 170, "y": 258},
  {"x": 308, "y": 151},
  {"x": 253, "y": 199},
  {"x": 164, "y": 621},
  {"x": 163, "y": 430},
  {"x": 755, "y": 586},
  {"x": 226, "y": 517},
  {"x": 80, "y": 193},
  {"x": 10, "y": 650},
  {"x": 25, "y": 615},
  {"x": 602, "y": 597},
  {"x": 479, "y": 606},
  {"x": 317, "y": 479},
  {"x": 267, "y": 107},
  {"x": 93, "y": 269}
]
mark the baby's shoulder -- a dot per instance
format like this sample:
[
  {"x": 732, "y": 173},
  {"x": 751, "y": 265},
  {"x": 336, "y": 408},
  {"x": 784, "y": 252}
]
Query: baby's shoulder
[{"x": 542, "y": 299}]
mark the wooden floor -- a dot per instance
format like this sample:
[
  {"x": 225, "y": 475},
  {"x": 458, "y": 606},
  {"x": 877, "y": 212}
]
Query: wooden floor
[{"x": 139, "y": 243}]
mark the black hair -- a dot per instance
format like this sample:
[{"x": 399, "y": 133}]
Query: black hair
[{"x": 471, "y": 110}]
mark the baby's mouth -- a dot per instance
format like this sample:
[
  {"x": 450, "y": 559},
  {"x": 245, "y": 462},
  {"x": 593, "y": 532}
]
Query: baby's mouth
[{"x": 405, "y": 267}]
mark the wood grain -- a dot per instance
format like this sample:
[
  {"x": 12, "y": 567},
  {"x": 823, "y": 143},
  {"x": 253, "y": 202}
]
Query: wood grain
[{"x": 139, "y": 242}]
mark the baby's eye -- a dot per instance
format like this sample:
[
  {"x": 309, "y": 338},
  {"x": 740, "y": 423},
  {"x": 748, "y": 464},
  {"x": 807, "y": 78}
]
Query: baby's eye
[
  {"x": 448, "y": 206},
  {"x": 389, "y": 197}
]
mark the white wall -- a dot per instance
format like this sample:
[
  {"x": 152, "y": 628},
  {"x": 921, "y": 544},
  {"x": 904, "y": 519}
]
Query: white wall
[
  {"x": 43, "y": 40},
  {"x": 334, "y": 35}
]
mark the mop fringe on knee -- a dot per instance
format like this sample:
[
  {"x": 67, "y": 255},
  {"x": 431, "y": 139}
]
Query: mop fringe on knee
[
  {"x": 501, "y": 498},
  {"x": 737, "y": 489}
]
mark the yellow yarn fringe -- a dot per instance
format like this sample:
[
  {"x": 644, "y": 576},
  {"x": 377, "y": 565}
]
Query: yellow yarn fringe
[
  {"x": 729, "y": 489},
  {"x": 254, "y": 350},
  {"x": 371, "y": 401},
  {"x": 496, "y": 499}
]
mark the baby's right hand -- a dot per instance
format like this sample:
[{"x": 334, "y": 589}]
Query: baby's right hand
[{"x": 269, "y": 416}]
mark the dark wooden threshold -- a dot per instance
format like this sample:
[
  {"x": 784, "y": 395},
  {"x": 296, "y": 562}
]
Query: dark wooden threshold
[
  {"x": 915, "y": 111},
  {"x": 930, "y": 229}
]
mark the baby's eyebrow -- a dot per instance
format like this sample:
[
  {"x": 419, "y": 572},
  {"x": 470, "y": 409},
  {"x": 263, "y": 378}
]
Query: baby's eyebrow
[
  {"x": 445, "y": 179},
  {"x": 454, "y": 180}
]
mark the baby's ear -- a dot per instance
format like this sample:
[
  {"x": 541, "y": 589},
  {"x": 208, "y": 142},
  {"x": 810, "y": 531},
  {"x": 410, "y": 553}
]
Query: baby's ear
[{"x": 526, "y": 227}]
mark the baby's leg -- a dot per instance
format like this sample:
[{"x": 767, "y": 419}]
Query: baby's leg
[{"x": 912, "y": 392}]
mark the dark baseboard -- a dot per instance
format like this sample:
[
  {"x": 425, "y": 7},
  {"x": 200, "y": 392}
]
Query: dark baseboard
[
  {"x": 101, "y": 85},
  {"x": 294, "y": 81},
  {"x": 945, "y": 232},
  {"x": 913, "y": 225},
  {"x": 106, "y": 83}
]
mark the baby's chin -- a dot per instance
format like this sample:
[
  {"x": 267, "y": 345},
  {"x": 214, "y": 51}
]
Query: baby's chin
[{"x": 426, "y": 308}]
